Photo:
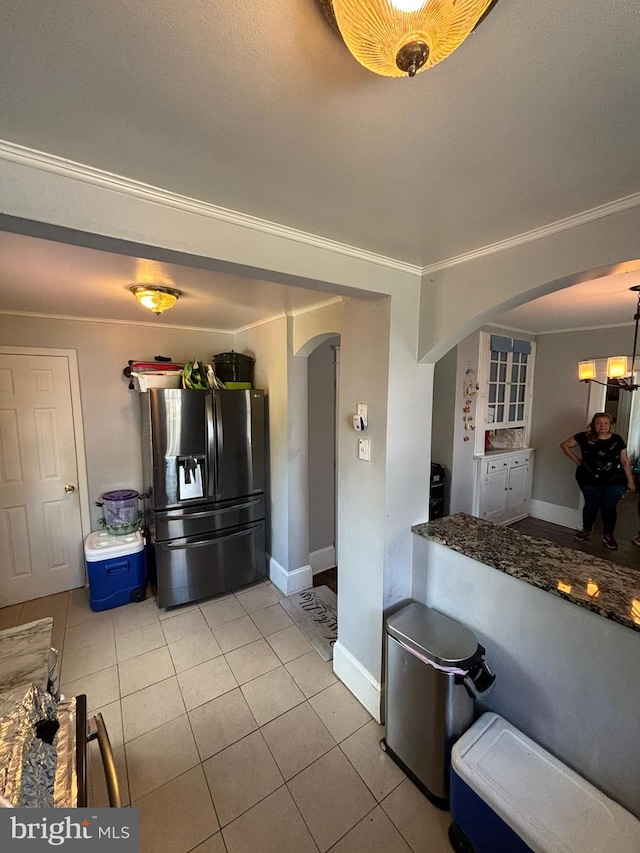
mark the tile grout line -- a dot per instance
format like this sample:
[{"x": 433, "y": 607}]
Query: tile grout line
[{"x": 281, "y": 665}]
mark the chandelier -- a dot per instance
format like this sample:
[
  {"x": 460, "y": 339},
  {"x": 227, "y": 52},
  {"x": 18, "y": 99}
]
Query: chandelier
[
  {"x": 396, "y": 38},
  {"x": 617, "y": 374}
]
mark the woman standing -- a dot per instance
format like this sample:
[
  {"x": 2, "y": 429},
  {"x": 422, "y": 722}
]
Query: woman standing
[{"x": 603, "y": 473}]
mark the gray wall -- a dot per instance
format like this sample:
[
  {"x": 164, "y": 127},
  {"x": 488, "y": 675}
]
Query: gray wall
[
  {"x": 267, "y": 343},
  {"x": 110, "y": 412},
  {"x": 559, "y": 409},
  {"x": 444, "y": 413},
  {"x": 560, "y": 404},
  {"x": 364, "y": 368},
  {"x": 322, "y": 430},
  {"x": 566, "y": 677}
]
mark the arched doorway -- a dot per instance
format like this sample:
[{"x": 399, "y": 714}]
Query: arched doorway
[
  {"x": 561, "y": 406},
  {"x": 323, "y": 377}
]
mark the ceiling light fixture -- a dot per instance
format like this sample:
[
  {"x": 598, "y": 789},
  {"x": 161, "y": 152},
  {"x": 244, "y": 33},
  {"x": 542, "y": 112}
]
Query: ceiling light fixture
[
  {"x": 617, "y": 374},
  {"x": 155, "y": 297},
  {"x": 396, "y": 38}
]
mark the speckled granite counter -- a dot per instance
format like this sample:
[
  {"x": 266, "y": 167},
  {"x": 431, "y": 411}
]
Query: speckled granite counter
[{"x": 596, "y": 584}]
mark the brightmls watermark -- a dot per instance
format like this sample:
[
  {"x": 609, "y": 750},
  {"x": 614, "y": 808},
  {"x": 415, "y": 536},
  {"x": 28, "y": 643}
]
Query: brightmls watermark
[{"x": 36, "y": 830}]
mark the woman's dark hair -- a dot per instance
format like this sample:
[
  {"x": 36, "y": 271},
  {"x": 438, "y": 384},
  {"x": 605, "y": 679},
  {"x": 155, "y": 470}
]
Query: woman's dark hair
[{"x": 592, "y": 436}]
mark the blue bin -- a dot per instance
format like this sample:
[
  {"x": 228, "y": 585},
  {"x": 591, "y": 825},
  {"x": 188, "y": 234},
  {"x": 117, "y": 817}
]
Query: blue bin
[
  {"x": 115, "y": 569},
  {"x": 508, "y": 793}
]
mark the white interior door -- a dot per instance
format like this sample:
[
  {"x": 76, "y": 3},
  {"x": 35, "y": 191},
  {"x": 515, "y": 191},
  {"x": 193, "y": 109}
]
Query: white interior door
[{"x": 40, "y": 517}]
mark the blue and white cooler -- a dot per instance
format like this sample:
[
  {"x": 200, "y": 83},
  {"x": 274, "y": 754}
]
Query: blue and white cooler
[
  {"x": 115, "y": 568},
  {"x": 509, "y": 794}
]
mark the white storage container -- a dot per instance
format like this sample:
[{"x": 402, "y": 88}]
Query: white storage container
[
  {"x": 157, "y": 379},
  {"x": 508, "y": 793}
]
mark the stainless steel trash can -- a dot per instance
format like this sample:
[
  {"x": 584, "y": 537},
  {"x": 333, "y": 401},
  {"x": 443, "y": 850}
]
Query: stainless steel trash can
[{"x": 434, "y": 669}]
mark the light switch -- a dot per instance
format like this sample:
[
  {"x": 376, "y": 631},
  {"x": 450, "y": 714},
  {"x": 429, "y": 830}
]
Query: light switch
[{"x": 364, "y": 449}]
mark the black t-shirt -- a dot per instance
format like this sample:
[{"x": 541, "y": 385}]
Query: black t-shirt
[{"x": 600, "y": 461}]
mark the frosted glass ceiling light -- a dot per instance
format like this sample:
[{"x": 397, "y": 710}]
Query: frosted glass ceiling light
[
  {"x": 395, "y": 38},
  {"x": 155, "y": 297},
  {"x": 617, "y": 374},
  {"x": 586, "y": 370},
  {"x": 616, "y": 366}
]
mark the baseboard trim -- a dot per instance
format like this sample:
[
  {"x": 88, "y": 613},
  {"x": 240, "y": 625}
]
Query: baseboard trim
[
  {"x": 290, "y": 582},
  {"x": 322, "y": 559},
  {"x": 556, "y": 514},
  {"x": 366, "y": 689}
]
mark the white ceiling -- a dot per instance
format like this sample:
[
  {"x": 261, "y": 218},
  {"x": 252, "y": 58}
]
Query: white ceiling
[
  {"x": 589, "y": 305},
  {"x": 45, "y": 277},
  {"x": 258, "y": 107}
]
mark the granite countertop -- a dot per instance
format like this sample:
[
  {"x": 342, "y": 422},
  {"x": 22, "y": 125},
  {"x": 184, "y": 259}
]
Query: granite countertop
[
  {"x": 600, "y": 586},
  {"x": 24, "y": 655}
]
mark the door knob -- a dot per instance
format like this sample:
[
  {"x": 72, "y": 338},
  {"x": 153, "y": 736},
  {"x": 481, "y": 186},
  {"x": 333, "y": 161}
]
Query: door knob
[{"x": 69, "y": 488}]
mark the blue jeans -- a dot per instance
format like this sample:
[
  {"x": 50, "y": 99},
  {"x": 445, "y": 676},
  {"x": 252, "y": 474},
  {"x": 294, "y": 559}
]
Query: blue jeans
[{"x": 605, "y": 499}]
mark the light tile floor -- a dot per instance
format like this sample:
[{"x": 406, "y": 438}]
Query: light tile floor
[{"x": 230, "y": 733}]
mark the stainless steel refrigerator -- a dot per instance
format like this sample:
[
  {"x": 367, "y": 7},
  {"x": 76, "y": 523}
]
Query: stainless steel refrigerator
[{"x": 203, "y": 464}]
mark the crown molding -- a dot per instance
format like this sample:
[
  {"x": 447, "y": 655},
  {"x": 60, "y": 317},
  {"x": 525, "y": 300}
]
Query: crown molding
[
  {"x": 584, "y": 218},
  {"x": 298, "y": 312},
  {"x": 111, "y": 322},
  {"x": 584, "y": 329},
  {"x": 33, "y": 315},
  {"x": 262, "y": 322},
  {"x": 107, "y": 180}
]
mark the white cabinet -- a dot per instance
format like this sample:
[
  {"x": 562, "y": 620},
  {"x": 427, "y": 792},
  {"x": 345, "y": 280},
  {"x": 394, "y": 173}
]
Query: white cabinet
[
  {"x": 494, "y": 488},
  {"x": 503, "y": 486}
]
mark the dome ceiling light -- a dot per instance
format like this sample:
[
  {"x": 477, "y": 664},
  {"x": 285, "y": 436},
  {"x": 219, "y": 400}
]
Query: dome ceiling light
[
  {"x": 396, "y": 38},
  {"x": 155, "y": 297}
]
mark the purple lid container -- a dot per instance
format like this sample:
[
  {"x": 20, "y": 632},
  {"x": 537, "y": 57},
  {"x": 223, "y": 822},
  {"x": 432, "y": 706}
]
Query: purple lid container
[{"x": 120, "y": 495}]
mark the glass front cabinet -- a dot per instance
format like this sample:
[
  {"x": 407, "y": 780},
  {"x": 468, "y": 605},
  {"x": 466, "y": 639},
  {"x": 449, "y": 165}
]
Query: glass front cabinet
[
  {"x": 505, "y": 380},
  {"x": 503, "y": 456}
]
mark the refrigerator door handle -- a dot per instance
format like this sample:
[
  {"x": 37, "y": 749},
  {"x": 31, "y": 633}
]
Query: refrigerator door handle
[
  {"x": 218, "y": 438},
  {"x": 212, "y": 460},
  {"x": 180, "y": 515},
  {"x": 180, "y": 544}
]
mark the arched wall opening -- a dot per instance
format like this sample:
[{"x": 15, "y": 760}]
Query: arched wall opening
[
  {"x": 560, "y": 404},
  {"x": 312, "y": 418},
  {"x": 322, "y": 406},
  {"x": 379, "y": 500}
]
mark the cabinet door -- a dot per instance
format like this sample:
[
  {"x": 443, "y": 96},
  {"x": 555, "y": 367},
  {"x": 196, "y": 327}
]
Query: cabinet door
[
  {"x": 498, "y": 389},
  {"x": 505, "y": 389},
  {"x": 519, "y": 389},
  {"x": 493, "y": 495},
  {"x": 518, "y": 490}
]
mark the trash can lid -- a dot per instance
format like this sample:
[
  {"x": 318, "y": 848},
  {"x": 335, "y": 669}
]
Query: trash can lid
[{"x": 433, "y": 635}]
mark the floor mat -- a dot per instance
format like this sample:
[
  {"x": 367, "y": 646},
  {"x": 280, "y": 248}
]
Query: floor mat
[{"x": 315, "y": 612}]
